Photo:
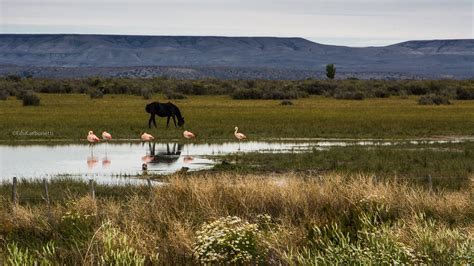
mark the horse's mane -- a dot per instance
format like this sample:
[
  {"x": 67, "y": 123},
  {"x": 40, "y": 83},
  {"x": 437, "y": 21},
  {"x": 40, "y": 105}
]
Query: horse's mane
[{"x": 177, "y": 111}]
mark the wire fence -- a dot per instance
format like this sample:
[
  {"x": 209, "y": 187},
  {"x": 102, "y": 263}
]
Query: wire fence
[{"x": 45, "y": 197}]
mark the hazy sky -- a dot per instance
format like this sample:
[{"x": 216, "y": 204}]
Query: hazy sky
[{"x": 354, "y": 23}]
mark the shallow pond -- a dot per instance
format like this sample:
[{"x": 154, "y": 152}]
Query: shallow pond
[{"x": 117, "y": 162}]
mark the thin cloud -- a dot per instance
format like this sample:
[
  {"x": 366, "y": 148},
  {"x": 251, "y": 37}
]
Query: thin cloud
[{"x": 355, "y": 22}]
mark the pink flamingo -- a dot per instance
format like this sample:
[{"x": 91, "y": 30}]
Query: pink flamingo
[
  {"x": 92, "y": 138},
  {"x": 147, "y": 137},
  {"x": 147, "y": 158},
  {"x": 239, "y": 136},
  {"x": 106, "y": 136},
  {"x": 188, "y": 135}
]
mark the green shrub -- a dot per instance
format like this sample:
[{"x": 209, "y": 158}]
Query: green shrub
[
  {"x": 171, "y": 95},
  {"x": 252, "y": 93},
  {"x": 31, "y": 98},
  {"x": 96, "y": 93},
  {"x": 464, "y": 94},
  {"x": 268, "y": 94},
  {"x": 439, "y": 244},
  {"x": 24, "y": 256},
  {"x": 433, "y": 100},
  {"x": 417, "y": 88},
  {"x": 318, "y": 87},
  {"x": 78, "y": 224},
  {"x": 279, "y": 94},
  {"x": 19, "y": 94},
  {"x": 4, "y": 95},
  {"x": 330, "y": 71},
  {"x": 14, "y": 78},
  {"x": 229, "y": 240},
  {"x": 54, "y": 86},
  {"x": 349, "y": 95},
  {"x": 372, "y": 244},
  {"x": 381, "y": 94},
  {"x": 146, "y": 93},
  {"x": 184, "y": 87},
  {"x": 117, "y": 249}
]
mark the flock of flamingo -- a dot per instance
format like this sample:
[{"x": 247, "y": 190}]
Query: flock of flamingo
[
  {"x": 93, "y": 139},
  {"x": 145, "y": 137}
]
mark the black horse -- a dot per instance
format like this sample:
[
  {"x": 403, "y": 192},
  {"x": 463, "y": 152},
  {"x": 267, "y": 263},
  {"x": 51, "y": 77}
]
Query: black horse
[{"x": 168, "y": 110}]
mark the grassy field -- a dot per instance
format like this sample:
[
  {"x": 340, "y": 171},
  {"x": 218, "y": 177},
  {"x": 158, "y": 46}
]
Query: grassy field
[
  {"x": 71, "y": 116},
  {"x": 276, "y": 218},
  {"x": 449, "y": 165}
]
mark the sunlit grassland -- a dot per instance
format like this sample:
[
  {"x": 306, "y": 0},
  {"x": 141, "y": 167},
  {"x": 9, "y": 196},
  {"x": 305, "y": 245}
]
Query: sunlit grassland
[{"x": 71, "y": 116}]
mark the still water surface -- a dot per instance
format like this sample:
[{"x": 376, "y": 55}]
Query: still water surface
[{"x": 117, "y": 162}]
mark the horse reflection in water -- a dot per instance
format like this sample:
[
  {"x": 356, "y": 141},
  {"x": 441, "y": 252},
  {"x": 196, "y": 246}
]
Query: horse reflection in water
[{"x": 168, "y": 154}]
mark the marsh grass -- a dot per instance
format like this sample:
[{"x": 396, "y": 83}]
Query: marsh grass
[
  {"x": 163, "y": 228},
  {"x": 449, "y": 165},
  {"x": 71, "y": 116}
]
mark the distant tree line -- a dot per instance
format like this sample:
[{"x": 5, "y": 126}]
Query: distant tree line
[{"x": 353, "y": 89}]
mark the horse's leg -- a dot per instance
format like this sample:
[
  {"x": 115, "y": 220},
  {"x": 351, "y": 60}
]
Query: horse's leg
[
  {"x": 154, "y": 121},
  {"x": 149, "y": 120},
  {"x": 168, "y": 122},
  {"x": 174, "y": 121}
]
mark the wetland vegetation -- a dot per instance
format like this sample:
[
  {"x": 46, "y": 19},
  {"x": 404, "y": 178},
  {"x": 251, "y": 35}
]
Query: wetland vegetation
[{"x": 379, "y": 204}]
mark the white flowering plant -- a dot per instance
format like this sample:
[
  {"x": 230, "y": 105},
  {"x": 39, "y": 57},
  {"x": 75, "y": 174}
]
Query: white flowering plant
[{"x": 230, "y": 240}]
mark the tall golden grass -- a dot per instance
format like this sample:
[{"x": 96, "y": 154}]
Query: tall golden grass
[{"x": 161, "y": 226}]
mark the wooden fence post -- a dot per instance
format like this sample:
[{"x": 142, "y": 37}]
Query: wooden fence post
[
  {"x": 149, "y": 183},
  {"x": 150, "y": 188},
  {"x": 91, "y": 188},
  {"x": 430, "y": 182},
  {"x": 14, "y": 192},
  {"x": 46, "y": 192}
]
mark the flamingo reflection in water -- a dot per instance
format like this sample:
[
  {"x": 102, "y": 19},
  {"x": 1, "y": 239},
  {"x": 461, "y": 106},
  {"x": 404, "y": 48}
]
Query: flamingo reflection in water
[
  {"x": 91, "y": 162},
  {"x": 147, "y": 158},
  {"x": 188, "y": 159},
  {"x": 106, "y": 162}
]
